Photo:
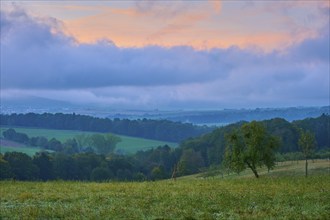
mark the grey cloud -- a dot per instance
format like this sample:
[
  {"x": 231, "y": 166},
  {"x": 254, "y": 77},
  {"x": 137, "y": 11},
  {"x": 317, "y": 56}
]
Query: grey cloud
[
  {"x": 313, "y": 50},
  {"x": 36, "y": 57},
  {"x": 39, "y": 59}
]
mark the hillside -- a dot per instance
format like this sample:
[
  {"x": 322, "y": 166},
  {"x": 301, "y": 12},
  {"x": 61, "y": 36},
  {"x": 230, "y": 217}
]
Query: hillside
[
  {"x": 127, "y": 145},
  {"x": 279, "y": 196},
  {"x": 163, "y": 130}
]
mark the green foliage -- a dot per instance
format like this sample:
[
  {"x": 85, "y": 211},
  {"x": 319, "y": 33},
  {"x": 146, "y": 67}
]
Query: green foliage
[
  {"x": 286, "y": 131},
  {"x": 163, "y": 130},
  {"x": 5, "y": 169},
  {"x": 307, "y": 143},
  {"x": 245, "y": 198},
  {"x": 21, "y": 166},
  {"x": 100, "y": 174},
  {"x": 104, "y": 144},
  {"x": 190, "y": 162},
  {"x": 250, "y": 146},
  {"x": 12, "y": 135},
  {"x": 43, "y": 161},
  {"x": 319, "y": 127},
  {"x": 158, "y": 173}
]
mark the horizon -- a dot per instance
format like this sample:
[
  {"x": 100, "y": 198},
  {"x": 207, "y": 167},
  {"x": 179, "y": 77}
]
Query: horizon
[{"x": 167, "y": 55}]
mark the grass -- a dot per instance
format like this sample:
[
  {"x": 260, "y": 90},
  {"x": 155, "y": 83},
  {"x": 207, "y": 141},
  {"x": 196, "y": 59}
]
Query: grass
[
  {"x": 241, "y": 197},
  {"x": 27, "y": 150},
  {"x": 282, "y": 169},
  {"x": 265, "y": 198},
  {"x": 128, "y": 144}
]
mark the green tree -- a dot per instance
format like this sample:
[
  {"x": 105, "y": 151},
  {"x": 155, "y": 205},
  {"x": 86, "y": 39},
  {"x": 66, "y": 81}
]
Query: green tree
[
  {"x": 5, "y": 170},
  {"x": 101, "y": 174},
  {"x": 158, "y": 173},
  {"x": 250, "y": 146},
  {"x": 307, "y": 144},
  {"x": 190, "y": 162},
  {"x": 43, "y": 161},
  {"x": 70, "y": 146},
  {"x": 21, "y": 166},
  {"x": 64, "y": 167},
  {"x": 104, "y": 144},
  {"x": 55, "y": 145}
]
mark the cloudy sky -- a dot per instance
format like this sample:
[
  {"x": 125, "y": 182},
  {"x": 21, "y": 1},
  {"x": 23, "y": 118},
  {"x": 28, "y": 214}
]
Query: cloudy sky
[{"x": 167, "y": 54}]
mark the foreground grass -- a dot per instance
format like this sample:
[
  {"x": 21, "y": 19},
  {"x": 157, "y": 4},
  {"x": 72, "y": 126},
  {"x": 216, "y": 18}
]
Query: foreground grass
[
  {"x": 244, "y": 198},
  {"x": 128, "y": 144}
]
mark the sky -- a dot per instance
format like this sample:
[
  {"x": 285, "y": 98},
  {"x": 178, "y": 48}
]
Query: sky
[{"x": 167, "y": 54}]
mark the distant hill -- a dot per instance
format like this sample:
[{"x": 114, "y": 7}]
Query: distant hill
[
  {"x": 197, "y": 117},
  {"x": 227, "y": 116}
]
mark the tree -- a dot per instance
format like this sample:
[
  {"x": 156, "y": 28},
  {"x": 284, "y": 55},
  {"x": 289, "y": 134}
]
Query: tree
[
  {"x": 21, "y": 166},
  {"x": 5, "y": 170},
  {"x": 100, "y": 174},
  {"x": 12, "y": 135},
  {"x": 64, "y": 167},
  {"x": 43, "y": 162},
  {"x": 55, "y": 145},
  {"x": 104, "y": 144},
  {"x": 70, "y": 146},
  {"x": 307, "y": 144},
  {"x": 190, "y": 162},
  {"x": 250, "y": 146},
  {"x": 158, "y": 173}
]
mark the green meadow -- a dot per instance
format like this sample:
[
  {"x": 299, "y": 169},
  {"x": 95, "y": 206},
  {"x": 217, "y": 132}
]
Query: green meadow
[
  {"x": 128, "y": 144},
  {"x": 27, "y": 150},
  {"x": 234, "y": 197}
]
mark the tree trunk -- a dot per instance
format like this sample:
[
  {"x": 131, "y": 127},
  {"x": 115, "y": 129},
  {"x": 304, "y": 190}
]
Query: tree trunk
[
  {"x": 255, "y": 173},
  {"x": 254, "y": 170},
  {"x": 306, "y": 167},
  {"x": 174, "y": 172}
]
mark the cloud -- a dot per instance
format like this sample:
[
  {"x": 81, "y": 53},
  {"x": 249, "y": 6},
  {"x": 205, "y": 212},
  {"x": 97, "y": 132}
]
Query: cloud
[
  {"x": 39, "y": 59},
  {"x": 48, "y": 59}
]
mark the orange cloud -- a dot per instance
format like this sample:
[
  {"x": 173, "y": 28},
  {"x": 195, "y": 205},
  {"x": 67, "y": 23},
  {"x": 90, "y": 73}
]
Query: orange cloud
[
  {"x": 267, "y": 25},
  {"x": 216, "y": 5}
]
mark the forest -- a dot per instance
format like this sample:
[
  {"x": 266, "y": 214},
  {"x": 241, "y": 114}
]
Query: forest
[
  {"x": 84, "y": 158},
  {"x": 163, "y": 130}
]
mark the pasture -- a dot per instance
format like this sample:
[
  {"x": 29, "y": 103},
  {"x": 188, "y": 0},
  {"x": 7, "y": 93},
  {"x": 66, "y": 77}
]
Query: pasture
[
  {"x": 234, "y": 197},
  {"x": 264, "y": 198},
  {"x": 127, "y": 145},
  {"x": 11, "y": 146}
]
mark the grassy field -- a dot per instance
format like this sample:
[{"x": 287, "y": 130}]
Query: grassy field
[
  {"x": 10, "y": 146},
  {"x": 282, "y": 169},
  {"x": 27, "y": 150},
  {"x": 127, "y": 145},
  {"x": 242, "y": 197}
]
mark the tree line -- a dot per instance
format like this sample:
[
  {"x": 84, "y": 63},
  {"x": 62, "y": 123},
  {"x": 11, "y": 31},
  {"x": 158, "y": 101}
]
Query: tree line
[
  {"x": 234, "y": 147},
  {"x": 98, "y": 143},
  {"x": 153, "y": 164},
  {"x": 213, "y": 144},
  {"x": 163, "y": 130}
]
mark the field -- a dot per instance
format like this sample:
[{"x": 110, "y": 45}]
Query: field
[
  {"x": 11, "y": 146},
  {"x": 240, "y": 197},
  {"x": 127, "y": 145}
]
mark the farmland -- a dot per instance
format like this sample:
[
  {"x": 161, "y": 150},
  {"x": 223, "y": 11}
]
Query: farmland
[
  {"x": 127, "y": 145},
  {"x": 238, "y": 197}
]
